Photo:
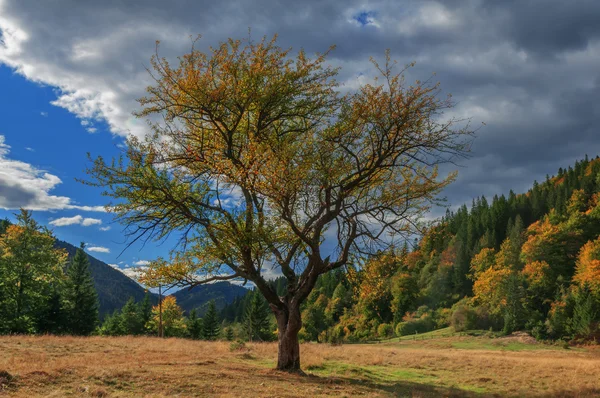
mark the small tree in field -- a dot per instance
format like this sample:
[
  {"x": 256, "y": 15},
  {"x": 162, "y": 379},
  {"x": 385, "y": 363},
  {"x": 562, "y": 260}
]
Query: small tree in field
[{"x": 256, "y": 157}]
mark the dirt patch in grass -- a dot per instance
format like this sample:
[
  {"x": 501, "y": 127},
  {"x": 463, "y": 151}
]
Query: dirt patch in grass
[{"x": 521, "y": 337}]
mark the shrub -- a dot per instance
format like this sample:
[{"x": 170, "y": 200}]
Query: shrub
[
  {"x": 425, "y": 324},
  {"x": 463, "y": 318},
  {"x": 385, "y": 330}
]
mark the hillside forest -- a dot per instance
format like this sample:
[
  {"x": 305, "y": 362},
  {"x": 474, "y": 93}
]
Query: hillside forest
[{"x": 526, "y": 262}]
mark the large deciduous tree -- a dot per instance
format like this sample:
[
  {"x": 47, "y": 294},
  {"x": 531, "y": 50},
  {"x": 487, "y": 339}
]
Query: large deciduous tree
[{"x": 257, "y": 157}]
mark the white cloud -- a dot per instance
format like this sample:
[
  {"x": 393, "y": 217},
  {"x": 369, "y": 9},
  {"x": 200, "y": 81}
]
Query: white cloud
[
  {"x": 98, "y": 249},
  {"x": 91, "y": 221},
  {"x": 141, "y": 262},
  {"x": 486, "y": 53},
  {"x": 75, "y": 220},
  {"x": 64, "y": 221},
  {"x": 22, "y": 185},
  {"x": 44, "y": 114},
  {"x": 107, "y": 228},
  {"x": 30, "y": 149}
]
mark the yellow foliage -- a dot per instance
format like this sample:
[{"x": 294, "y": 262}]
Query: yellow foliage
[{"x": 588, "y": 265}]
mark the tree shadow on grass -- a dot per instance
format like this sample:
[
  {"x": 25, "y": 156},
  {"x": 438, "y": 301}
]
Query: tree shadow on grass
[
  {"x": 403, "y": 388},
  {"x": 399, "y": 388}
]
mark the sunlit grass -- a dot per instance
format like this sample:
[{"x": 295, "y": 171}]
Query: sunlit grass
[{"x": 443, "y": 366}]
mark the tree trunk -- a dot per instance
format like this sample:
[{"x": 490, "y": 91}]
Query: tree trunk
[{"x": 289, "y": 324}]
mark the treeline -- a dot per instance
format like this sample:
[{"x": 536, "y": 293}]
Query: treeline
[
  {"x": 41, "y": 291},
  {"x": 520, "y": 262},
  {"x": 255, "y": 324}
]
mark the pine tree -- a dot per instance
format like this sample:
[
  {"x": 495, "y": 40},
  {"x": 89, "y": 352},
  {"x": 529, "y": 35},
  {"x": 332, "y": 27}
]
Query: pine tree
[
  {"x": 145, "y": 310},
  {"x": 586, "y": 313},
  {"x": 194, "y": 325},
  {"x": 256, "y": 320},
  {"x": 113, "y": 325},
  {"x": 210, "y": 322},
  {"x": 131, "y": 318},
  {"x": 80, "y": 295},
  {"x": 53, "y": 317},
  {"x": 229, "y": 334}
]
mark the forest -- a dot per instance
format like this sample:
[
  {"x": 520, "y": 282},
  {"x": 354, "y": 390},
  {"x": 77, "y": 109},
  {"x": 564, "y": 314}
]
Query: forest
[{"x": 522, "y": 262}]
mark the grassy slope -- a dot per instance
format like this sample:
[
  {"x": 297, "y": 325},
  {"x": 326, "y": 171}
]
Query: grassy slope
[{"x": 132, "y": 367}]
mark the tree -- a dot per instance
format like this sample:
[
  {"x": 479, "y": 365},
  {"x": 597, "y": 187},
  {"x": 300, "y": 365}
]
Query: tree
[
  {"x": 80, "y": 295},
  {"x": 52, "y": 319},
  {"x": 194, "y": 325},
  {"x": 113, "y": 325},
  {"x": 131, "y": 318},
  {"x": 146, "y": 309},
  {"x": 229, "y": 335},
  {"x": 30, "y": 271},
  {"x": 256, "y": 320},
  {"x": 257, "y": 155},
  {"x": 210, "y": 323},
  {"x": 172, "y": 318},
  {"x": 588, "y": 266}
]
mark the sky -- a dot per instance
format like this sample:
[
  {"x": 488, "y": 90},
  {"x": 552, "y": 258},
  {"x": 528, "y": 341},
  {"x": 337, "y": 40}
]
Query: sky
[{"x": 71, "y": 71}]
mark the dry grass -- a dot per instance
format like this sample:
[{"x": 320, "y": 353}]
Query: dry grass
[{"x": 136, "y": 367}]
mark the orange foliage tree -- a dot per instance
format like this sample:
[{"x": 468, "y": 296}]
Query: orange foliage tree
[
  {"x": 588, "y": 266},
  {"x": 255, "y": 154}
]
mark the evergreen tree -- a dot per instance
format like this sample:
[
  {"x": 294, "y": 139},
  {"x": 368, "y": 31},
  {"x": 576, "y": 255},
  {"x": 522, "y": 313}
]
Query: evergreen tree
[
  {"x": 113, "y": 325},
  {"x": 210, "y": 323},
  {"x": 131, "y": 318},
  {"x": 80, "y": 295},
  {"x": 586, "y": 313},
  {"x": 194, "y": 325},
  {"x": 229, "y": 333},
  {"x": 145, "y": 310},
  {"x": 53, "y": 318},
  {"x": 256, "y": 323}
]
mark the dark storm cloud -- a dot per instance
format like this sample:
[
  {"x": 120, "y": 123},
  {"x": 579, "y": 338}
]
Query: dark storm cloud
[{"x": 529, "y": 69}]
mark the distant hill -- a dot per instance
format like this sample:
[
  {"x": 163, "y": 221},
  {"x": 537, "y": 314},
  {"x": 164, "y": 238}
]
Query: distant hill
[
  {"x": 113, "y": 287},
  {"x": 222, "y": 292}
]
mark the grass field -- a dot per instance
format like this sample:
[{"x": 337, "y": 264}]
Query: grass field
[{"x": 453, "y": 366}]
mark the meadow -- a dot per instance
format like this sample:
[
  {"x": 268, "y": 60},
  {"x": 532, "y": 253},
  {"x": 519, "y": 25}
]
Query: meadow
[{"x": 428, "y": 366}]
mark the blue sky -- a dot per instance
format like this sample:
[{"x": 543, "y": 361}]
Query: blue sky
[
  {"x": 54, "y": 141},
  {"x": 71, "y": 71}
]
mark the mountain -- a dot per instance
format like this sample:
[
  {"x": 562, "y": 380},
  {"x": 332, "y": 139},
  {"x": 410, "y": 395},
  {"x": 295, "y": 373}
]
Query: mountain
[
  {"x": 113, "y": 287},
  {"x": 222, "y": 292}
]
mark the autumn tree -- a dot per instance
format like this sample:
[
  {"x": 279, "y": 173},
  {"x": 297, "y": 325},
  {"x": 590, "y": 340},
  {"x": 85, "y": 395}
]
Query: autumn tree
[
  {"x": 256, "y": 156},
  {"x": 173, "y": 322}
]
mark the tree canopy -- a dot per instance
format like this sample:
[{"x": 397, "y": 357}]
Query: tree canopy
[{"x": 257, "y": 156}]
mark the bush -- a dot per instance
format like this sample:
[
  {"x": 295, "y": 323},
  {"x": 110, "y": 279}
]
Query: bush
[
  {"x": 425, "y": 324},
  {"x": 463, "y": 318},
  {"x": 385, "y": 330},
  {"x": 466, "y": 317}
]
